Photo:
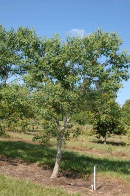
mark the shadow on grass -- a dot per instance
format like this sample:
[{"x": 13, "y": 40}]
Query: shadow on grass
[
  {"x": 110, "y": 142},
  {"x": 71, "y": 161}
]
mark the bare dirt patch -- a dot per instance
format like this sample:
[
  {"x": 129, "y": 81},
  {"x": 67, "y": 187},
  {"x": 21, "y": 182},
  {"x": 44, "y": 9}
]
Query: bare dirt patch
[{"x": 71, "y": 182}]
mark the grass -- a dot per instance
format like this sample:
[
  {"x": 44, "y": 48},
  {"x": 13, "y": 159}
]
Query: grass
[
  {"x": 21, "y": 135},
  {"x": 115, "y": 146},
  {"x": 82, "y": 162},
  {"x": 12, "y": 187}
]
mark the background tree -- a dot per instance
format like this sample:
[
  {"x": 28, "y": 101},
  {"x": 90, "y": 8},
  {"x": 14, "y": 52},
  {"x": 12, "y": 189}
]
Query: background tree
[
  {"x": 126, "y": 117},
  {"x": 107, "y": 118},
  {"x": 9, "y": 54},
  {"x": 109, "y": 68},
  {"x": 14, "y": 46},
  {"x": 16, "y": 107},
  {"x": 126, "y": 112}
]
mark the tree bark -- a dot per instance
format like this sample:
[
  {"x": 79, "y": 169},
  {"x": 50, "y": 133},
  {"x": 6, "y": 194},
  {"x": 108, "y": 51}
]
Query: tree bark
[
  {"x": 59, "y": 146},
  {"x": 58, "y": 156},
  {"x": 105, "y": 140}
]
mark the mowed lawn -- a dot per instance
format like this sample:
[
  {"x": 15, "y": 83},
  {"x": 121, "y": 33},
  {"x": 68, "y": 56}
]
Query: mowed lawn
[
  {"x": 79, "y": 155},
  {"x": 13, "y": 187}
]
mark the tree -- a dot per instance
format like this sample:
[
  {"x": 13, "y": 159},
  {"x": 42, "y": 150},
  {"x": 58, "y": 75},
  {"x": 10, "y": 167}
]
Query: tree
[
  {"x": 10, "y": 57},
  {"x": 107, "y": 118},
  {"x": 126, "y": 112},
  {"x": 106, "y": 114},
  {"x": 59, "y": 72},
  {"x": 58, "y": 76},
  {"x": 107, "y": 75},
  {"x": 16, "y": 107},
  {"x": 62, "y": 75},
  {"x": 14, "y": 46}
]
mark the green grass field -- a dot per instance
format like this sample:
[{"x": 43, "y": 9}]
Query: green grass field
[
  {"x": 113, "y": 159},
  {"x": 12, "y": 187},
  {"x": 80, "y": 156}
]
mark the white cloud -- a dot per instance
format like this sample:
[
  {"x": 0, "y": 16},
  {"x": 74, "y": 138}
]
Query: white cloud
[{"x": 77, "y": 32}]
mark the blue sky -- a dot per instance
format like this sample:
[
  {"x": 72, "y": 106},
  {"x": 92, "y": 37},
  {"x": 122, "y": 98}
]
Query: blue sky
[{"x": 71, "y": 16}]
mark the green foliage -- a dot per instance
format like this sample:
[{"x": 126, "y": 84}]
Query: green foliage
[
  {"x": 128, "y": 136},
  {"x": 16, "y": 107},
  {"x": 67, "y": 74},
  {"x": 10, "y": 57},
  {"x": 81, "y": 118},
  {"x": 62, "y": 75},
  {"x": 50, "y": 129},
  {"x": 2, "y": 131},
  {"x": 126, "y": 112},
  {"x": 63, "y": 79},
  {"x": 107, "y": 118}
]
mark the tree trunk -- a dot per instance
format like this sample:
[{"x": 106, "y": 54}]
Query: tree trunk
[
  {"x": 59, "y": 145},
  {"x": 58, "y": 156},
  {"x": 105, "y": 140}
]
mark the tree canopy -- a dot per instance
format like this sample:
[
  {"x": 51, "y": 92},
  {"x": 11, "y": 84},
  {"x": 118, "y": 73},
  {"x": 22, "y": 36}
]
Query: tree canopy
[
  {"x": 126, "y": 112},
  {"x": 68, "y": 77}
]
